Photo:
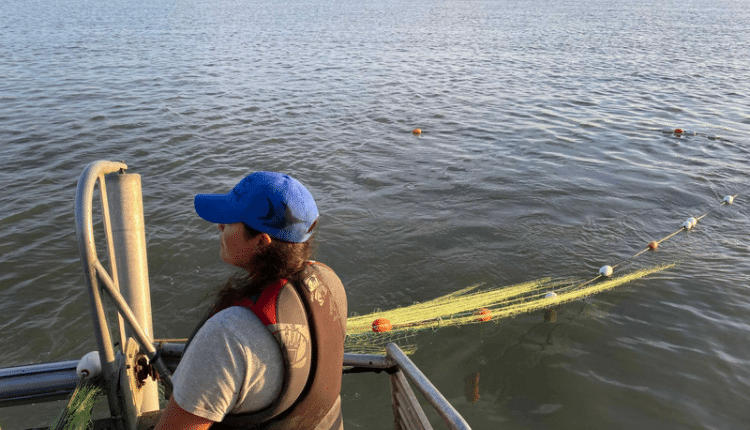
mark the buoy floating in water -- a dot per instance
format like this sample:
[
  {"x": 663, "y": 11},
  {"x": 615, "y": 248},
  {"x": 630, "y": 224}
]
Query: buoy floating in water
[
  {"x": 689, "y": 223},
  {"x": 381, "y": 325},
  {"x": 681, "y": 131},
  {"x": 728, "y": 200},
  {"x": 606, "y": 271},
  {"x": 417, "y": 131},
  {"x": 653, "y": 245},
  {"x": 678, "y": 131},
  {"x": 484, "y": 314}
]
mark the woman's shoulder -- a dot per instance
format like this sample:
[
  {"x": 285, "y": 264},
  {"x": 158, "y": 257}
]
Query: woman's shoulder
[
  {"x": 240, "y": 327},
  {"x": 335, "y": 286},
  {"x": 234, "y": 319}
]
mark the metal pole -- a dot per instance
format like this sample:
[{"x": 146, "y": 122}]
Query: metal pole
[{"x": 129, "y": 238}]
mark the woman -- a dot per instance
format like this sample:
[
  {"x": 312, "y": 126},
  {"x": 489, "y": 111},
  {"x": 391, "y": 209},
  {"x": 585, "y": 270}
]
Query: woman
[{"x": 270, "y": 352}]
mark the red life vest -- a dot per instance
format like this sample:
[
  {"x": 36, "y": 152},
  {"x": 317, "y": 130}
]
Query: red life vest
[{"x": 306, "y": 321}]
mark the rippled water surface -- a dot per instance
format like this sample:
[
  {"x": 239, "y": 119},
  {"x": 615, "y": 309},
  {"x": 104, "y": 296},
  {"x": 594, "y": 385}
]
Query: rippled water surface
[{"x": 544, "y": 152}]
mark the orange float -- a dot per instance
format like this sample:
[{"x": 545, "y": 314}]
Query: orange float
[
  {"x": 381, "y": 325},
  {"x": 417, "y": 131},
  {"x": 483, "y": 314}
]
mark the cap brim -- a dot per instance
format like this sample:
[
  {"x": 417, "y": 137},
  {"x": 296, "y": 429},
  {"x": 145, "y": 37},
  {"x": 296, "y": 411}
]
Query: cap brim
[{"x": 217, "y": 208}]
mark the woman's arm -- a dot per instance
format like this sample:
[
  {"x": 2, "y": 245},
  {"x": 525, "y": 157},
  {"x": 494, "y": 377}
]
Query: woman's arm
[{"x": 175, "y": 418}]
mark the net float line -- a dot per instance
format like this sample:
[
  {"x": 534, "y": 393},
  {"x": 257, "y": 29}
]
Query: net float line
[{"x": 687, "y": 225}]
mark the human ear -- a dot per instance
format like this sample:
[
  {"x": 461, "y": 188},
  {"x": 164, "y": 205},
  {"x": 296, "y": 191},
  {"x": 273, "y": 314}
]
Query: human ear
[{"x": 264, "y": 239}]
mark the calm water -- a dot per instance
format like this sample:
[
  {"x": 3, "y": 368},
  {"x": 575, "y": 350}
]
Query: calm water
[{"x": 542, "y": 154}]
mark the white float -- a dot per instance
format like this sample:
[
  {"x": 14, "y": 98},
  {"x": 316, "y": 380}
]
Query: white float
[{"x": 89, "y": 366}]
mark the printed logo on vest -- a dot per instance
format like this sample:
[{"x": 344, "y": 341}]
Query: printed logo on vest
[
  {"x": 317, "y": 294},
  {"x": 296, "y": 341}
]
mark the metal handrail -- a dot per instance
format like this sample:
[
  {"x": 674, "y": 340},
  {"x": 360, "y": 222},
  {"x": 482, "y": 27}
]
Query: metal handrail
[
  {"x": 450, "y": 415},
  {"x": 94, "y": 272},
  {"x": 34, "y": 383},
  {"x": 92, "y": 174}
]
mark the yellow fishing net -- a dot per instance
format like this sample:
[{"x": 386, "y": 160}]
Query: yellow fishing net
[
  {"x": 77, "y": 413},
  {"x": 472, "y": 305}
]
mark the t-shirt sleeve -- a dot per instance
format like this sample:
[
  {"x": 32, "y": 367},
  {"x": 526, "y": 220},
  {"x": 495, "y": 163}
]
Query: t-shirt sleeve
[
  {"x": 233, "y": 365},
  {"x": 212, "y": 371}
]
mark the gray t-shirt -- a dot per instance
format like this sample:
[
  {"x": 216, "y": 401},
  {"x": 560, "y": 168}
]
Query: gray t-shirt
[{"x": 234, "y": 365}]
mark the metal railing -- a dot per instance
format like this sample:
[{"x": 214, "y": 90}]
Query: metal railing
[
  {"x": 123, "y": 216},
  {"x": 407, "y": 411},
  {"x": 34, "y": 383}
]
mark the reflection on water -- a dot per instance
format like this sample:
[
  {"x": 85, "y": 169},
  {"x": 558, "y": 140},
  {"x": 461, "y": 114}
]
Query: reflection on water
[{"x": 471, "y": 389}]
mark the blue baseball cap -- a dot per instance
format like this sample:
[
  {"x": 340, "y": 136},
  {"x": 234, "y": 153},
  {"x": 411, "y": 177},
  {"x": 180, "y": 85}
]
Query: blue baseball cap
[{"x": 272, "y": 203}]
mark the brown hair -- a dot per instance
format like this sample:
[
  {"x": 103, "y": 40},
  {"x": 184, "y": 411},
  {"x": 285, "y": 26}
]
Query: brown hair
[{"x": 278, "y": 260}]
